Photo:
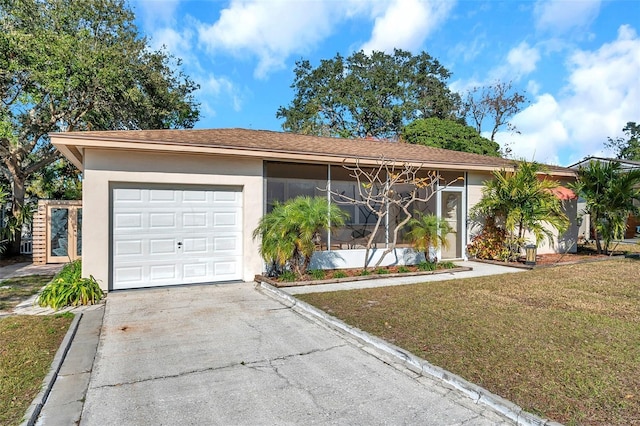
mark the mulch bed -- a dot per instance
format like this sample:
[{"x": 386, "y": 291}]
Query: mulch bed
[{"x": 355, "y": 274}]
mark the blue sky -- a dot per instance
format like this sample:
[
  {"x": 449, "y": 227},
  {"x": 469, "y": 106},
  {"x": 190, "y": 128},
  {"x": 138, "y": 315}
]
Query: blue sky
[{"x": 577, "y": 60}]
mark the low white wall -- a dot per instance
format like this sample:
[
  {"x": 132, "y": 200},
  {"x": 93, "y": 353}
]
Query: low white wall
[{"x": 354, "y": 258}]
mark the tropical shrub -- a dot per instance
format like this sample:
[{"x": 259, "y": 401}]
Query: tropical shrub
[
  {"x": 428, "y": 231},
  {"x": 520, "y": 201},
  {"x": 68, "y": 288},
  {"x": 289, "y": 233},
  {"x": 609, "y": 192},
  {"x": 490, "y": 243},
  {"x": 317, "y": 274},
  {"x": 427, "y": 266}
]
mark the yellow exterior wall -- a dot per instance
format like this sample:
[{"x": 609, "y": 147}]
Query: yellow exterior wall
[{"x": 105, "y": 167}]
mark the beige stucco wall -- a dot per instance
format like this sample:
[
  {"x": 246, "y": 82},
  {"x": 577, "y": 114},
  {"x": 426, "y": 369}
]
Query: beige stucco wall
[
  {"x": 104, "y": 167},
  {"x": 561, "y": 244}
]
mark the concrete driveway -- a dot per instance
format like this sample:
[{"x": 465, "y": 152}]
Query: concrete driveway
[{"x": 229, "y": 354}]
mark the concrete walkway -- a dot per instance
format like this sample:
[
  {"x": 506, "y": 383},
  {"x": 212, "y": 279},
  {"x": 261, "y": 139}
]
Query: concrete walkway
[{"x": 24, "y": 269}]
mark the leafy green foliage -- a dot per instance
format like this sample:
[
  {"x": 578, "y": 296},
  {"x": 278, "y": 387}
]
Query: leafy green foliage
[
  {"x": 427, "y": 231},
  {"x": 447, "y": 264},
  {"x": 490, "y": 243},
  {"x": 317, "y": 274},
  {"x": 367, "y": 95},
  {"x": 403, "y": 269},
  {"x": 339, "y": 274},
  {"x": 522, "y": 201},
  {"x": 69, "y": 65},
  {"x": 68, "y": 288},
  {"x": 291, "y": 230},
  {"x": 365, "y": 272},
  {"x": 288, "y": 276},
  {"x": 448, "y": 134},
  {"x": 382, "y": 271},
  {"x": 627, "y": 149},
  {"x": 59, "y": 180},
  {"x": 427, "y": 266},
  {"x": 609, "y": 192}
]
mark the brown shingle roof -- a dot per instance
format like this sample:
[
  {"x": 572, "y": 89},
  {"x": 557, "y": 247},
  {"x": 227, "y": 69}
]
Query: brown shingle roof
[{"x": 274, "y": 143}]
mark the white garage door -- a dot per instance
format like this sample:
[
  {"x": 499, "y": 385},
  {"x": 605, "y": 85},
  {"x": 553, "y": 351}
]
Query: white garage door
[{"x": 175, "y": 236}]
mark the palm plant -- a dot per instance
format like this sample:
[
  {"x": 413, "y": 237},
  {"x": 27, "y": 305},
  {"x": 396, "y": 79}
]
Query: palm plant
[
  {"x": 609, "y": 193},
  {"x": 290, "y": 232},
  {"x": 523, "y": 202},
  {"x": 428, "y": 231}
]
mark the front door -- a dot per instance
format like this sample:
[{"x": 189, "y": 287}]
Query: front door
[
  {"x": 451, "y": 206},
  {"x": 64, "y": 232}
]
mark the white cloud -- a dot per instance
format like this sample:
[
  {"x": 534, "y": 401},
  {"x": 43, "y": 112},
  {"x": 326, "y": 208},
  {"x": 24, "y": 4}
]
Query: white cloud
[
  {"x": 269, "y": 30},
  {"x": 561, "y": 16},
  {"x": 600, "y": 97},
  {"x": 522, "y": 59},
  {"x": 154, "y": 11},
  {"x": 272, "y": 31},
  {"x": 212, "y": 87},
  {"x": 405, "y": 24},
  {"x": 175, "y": 42}
]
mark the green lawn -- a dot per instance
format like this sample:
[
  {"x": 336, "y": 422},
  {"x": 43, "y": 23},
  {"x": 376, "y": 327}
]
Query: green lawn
[
  {"x": 561, "y": 342},
  {"x": 27, "y": 347},
  {"x": 15, "y": 290}
]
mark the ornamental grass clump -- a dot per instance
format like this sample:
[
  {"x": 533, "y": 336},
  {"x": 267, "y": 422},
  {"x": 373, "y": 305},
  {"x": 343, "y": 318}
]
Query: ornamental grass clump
[{"x": 68, "y": 288}]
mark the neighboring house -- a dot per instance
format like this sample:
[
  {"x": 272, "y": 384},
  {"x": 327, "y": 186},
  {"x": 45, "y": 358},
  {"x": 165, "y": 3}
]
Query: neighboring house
[
  {"x": 168, "y": 207},
  {"x": 633, "y": 222}
]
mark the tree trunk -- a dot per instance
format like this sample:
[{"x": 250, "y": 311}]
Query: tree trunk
[{"x": 17, "y": 204}]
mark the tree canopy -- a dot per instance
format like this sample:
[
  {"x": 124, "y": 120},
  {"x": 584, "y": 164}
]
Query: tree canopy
[
  {"x": 629, "y": 148},
  {"x": 365, "y": 95},
  {"x": 448, "y": 134},
  {"x": 70, "y": 65}
]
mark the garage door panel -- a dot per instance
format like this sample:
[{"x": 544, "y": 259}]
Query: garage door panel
[
  {"x": 195, "y": 245},
  {"x": 162, "y": 246},
  {"x": 162, "y": 272},
  {"x": 127, "y": 221},
  {"x": 167, "y": 236},
  {"x": 162, "y": 220}
]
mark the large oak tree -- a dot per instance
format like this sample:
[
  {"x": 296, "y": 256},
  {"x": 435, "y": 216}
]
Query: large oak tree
[
  {"x": 449, "y": 134},
  {"x": 68, "y": 65},
  {"x": 368, "y": 95}
]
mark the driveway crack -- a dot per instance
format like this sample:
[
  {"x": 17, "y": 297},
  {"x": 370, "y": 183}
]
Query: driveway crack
[{"x": 250, "y": 364}]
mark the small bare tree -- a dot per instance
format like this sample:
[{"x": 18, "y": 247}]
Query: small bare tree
[
  {"x": 385, "y": 187},
  {"x": 497, "y": 102}
]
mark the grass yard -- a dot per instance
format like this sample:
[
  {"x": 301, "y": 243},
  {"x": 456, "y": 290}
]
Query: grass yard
[
  {"x": 15, "y": 290},
  {"x": 562, "y": 342},
  {"x": 27, "y": 347}
]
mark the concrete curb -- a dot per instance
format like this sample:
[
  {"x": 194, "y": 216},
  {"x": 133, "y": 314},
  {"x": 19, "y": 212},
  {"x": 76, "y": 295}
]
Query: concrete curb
[
  {"x": 36, "y": 405},
  {"x": 418, "y": 365}
]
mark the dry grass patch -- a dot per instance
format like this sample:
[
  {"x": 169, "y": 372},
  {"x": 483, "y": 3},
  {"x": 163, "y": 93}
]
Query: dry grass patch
[
  {"x": 560, "y": 342},
  {"x": 27, "y": 347},
  {"x": 15, "y": 290}
]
